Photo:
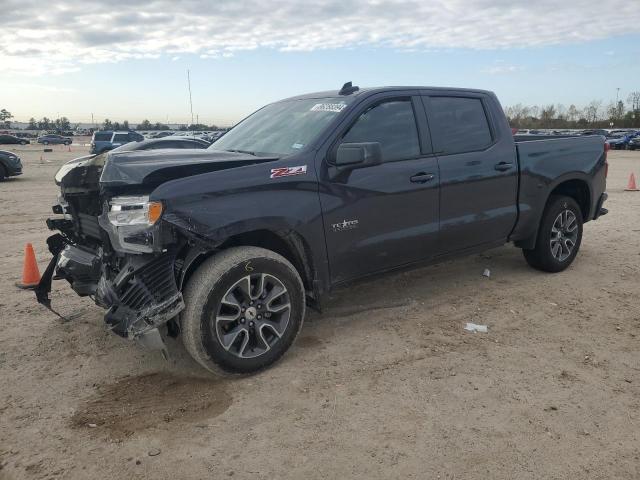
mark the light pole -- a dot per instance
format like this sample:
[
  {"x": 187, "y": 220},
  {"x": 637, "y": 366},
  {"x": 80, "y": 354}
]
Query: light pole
[{"x": 617, "y": 109}]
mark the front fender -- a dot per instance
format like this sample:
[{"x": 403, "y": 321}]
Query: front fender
[{"x": 216, "y": 206}]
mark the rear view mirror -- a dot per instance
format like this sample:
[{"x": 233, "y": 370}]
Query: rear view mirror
[{"x": 358, "y": 155}]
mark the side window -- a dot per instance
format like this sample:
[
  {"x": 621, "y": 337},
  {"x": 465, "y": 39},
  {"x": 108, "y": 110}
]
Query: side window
[
  {"x": 390, "y": 123},
  {"x": 102, "y": 137},
  {"x": 121, "y": 138},
  {"x": 458, "y": 124}
]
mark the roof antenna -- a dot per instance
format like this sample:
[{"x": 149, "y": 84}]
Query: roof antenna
[{"x": 348, "y": 89}]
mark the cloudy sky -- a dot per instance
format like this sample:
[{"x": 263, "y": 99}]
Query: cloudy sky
[{"x": 128, "y": 59}]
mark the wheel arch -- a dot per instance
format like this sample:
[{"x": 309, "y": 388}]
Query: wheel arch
[
  {"x": 579, "y": 190},
  {"x": 291, "y": 245},
  {"x": 570, "y": 185}
]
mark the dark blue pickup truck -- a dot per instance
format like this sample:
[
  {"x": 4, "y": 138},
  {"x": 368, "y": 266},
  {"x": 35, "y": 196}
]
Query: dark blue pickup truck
[{"x": 227, "y": 246}]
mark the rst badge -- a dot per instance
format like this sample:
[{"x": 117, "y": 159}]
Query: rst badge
[
  {"x": 288, "y": 171},
  {"x": 345, "y": 225}
]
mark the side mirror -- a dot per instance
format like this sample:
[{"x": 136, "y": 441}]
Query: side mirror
[{"x": 358, "y": 155}]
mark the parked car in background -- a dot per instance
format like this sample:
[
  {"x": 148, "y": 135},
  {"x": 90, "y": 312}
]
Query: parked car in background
[
  {"x": 634, "y": 143},
  {"x": 24, "y": 135},
  {"x": 12, "y": 140},
  {"x": 10, "y": 165},
  {"x": 164, "y": 143},
  {"x": 597, "y": 131},
  {"x": 53, "y": 139},
  {"x": 160, "y": 134},
  {"x": 619, "y": 141},
  {"x": 105, "y": 140}
]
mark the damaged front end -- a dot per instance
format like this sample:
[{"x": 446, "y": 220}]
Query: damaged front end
[
  {"x": 113, "y": 249},
  {"x": 113, "y": 245}
]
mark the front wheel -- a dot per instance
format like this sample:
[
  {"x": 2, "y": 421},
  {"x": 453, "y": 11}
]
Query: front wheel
[
  {"x": 45, "y": 143},
  {"x": 243, "y": 309},
  {"x": 559, "y": 236}
]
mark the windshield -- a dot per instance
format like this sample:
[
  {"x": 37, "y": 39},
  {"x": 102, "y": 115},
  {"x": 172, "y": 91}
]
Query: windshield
[{"x": 282, "y": 128}]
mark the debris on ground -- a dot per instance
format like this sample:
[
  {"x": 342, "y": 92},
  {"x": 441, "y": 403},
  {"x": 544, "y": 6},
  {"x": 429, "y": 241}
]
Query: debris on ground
[
  {"x": 486, "y": 273},
  {"x": 472, "y": 327},
  {"x": 154, "y": 452}
]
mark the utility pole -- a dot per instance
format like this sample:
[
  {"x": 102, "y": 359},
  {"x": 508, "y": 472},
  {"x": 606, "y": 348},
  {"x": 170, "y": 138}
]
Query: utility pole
[
  {"x": 93, "y": 125},
  {"x": 190, "y": 101}
]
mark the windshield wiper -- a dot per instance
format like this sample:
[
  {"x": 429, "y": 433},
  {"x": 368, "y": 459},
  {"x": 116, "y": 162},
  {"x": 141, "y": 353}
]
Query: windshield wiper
[{"x": 253, "y": 154}]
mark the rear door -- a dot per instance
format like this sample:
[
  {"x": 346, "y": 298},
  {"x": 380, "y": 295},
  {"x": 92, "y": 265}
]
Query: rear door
[
  {"x": 478, "y": 171},
  {"x": 385, "y": 215}
]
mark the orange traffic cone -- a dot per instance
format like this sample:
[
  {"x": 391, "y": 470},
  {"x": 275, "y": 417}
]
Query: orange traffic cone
[
  {"x": 30, "y": 272},
  {"x": 631, "y": 186}
]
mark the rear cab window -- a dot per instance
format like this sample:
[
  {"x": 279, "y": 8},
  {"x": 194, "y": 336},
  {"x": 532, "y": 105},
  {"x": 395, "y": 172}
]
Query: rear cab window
[{"x": 458, "y": 124}]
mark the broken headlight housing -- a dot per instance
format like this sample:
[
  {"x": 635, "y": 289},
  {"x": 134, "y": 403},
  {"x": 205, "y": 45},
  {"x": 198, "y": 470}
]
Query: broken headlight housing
[
  {"x": 124, "y": 211},
  {"x": 129, "y": 221}
]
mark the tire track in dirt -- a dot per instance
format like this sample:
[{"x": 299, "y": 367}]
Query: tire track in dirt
[{"x": 134, "y": 404}]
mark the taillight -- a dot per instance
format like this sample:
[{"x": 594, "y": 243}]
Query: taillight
[{"x": 607, "y": 147}]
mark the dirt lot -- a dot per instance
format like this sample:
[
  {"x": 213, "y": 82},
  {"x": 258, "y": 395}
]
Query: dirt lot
[{"x": 385, "y": 384}]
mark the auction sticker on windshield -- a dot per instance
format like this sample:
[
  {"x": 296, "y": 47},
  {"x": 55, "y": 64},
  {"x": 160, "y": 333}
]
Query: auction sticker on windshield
[
  {"x": 328, "y": 107},
  {"x": 288, "y": 171}
]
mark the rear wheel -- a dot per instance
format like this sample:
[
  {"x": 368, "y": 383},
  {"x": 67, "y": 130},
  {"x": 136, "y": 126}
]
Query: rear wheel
[
  {"x": 45, "y": 142},
  {"x": 23, "y": 143},
  {"x": 244, "y": 308},
  {"x": 559, "y": 236},
  {"x": 3, "y": 172}
]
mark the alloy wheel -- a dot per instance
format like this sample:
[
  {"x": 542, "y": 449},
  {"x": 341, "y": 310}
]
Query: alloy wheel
[
  {"x": 564, "y": 235},
  {"x": 253, "y": 315}
]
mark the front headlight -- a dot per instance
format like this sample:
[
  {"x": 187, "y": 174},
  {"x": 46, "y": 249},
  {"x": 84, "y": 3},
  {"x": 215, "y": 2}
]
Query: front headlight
[{"x": 125, "y": 211}]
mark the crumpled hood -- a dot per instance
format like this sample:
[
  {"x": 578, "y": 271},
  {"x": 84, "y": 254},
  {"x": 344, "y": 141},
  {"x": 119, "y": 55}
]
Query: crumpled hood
[{"x": 154, "y": 167}]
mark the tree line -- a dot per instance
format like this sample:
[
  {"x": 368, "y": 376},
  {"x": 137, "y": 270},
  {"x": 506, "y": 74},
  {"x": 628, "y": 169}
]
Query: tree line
[
  {"x": 64, "y": 124},
  {"x": 594, "y": 115}
]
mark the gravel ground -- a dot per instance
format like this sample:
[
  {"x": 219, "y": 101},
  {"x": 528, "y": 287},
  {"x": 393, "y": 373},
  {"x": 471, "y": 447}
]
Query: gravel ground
[{"x": 384, "y": 384}]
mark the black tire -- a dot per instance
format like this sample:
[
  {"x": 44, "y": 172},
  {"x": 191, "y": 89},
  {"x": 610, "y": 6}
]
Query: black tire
[
  {"x": 3, "y": 172},
  {"x": 23, "y": 143},
  {"x": 553, "y": 252},
  {"x": 217, "y": 278},
  {"x": 67, "y": 143},
  {"x": 45, "y": 143}
]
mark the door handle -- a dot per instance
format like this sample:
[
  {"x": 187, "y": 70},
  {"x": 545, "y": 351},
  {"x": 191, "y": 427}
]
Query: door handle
[
  {"x": 422, "y": 177},
  {"x": 502, "y": 166}
]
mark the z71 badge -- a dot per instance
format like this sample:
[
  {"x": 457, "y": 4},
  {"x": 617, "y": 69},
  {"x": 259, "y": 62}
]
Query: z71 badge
[{"x": 288, "y": 171}]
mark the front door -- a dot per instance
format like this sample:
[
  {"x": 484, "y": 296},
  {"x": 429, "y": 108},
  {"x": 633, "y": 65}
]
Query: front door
[{"x": 386, "y": 215}]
